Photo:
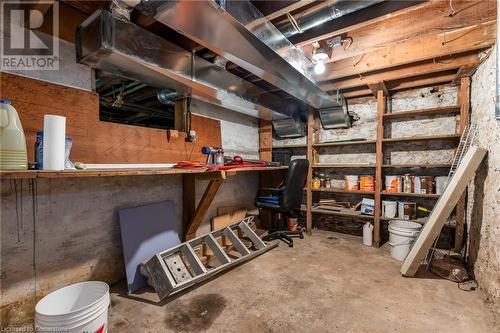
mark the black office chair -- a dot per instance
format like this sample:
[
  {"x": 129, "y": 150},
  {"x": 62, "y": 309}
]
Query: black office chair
[{"x": 286, "y": 198}]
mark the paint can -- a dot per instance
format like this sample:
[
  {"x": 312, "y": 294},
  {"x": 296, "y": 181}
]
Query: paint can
[
  {"x": 367, "y": 183},
  {"x": 389, "y": 209},
  {"x": 351, "y": 183},
  {"x": 407, "y": 210},
  {"x": 425, "y": 185},
  {"x": 393, "y": 183},
  {"x": 441, "y": 183}
]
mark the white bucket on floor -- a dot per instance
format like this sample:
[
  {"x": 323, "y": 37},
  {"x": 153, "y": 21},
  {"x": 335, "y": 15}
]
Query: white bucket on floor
[
  {"x": 81, "y": 307},
  {"x": 402, "y": 235}
]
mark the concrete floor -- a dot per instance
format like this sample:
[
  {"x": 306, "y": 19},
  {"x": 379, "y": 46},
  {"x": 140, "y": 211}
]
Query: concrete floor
[{"x": 328, "y": 282}]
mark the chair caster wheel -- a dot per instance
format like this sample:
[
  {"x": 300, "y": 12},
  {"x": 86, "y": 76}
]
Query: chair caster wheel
[
  {"x": 301, "y": 236},
  {"x": 290, "y": 245}
]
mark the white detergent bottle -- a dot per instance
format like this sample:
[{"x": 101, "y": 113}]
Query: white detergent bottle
[{"x": 13, "y": 153}]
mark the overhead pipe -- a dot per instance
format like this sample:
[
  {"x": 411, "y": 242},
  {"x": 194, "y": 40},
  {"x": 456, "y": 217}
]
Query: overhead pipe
[{"x": 337, "y": 9}]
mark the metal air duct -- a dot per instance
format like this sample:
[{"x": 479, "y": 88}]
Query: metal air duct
[
  {"x": 237, "y": 31},
  {"x": 108, "y": 43},
  {"x": 337, "y": 9}
]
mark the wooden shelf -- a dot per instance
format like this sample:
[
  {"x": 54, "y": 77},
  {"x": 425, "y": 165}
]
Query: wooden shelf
[
  {"x": 338, "y": 191},
  {"x": 344, "y": 143},
  {"x": 420, "y": 221},
  {"x": 423, "y": 138},
  {"x": 343, "y": 165},
  {"x": 416, "y": 195},
  {"x": 291, "y": 146},
  {"x": 425, "y": 112},
  {"x": 416, "y": 166},
  {"x": 336, "y": 213},
  {"x": 34, "y": 174}
]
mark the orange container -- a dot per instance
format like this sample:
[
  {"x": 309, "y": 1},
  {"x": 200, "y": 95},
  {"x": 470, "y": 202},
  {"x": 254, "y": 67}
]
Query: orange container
[
  {"x": 351, "y": 183},
  {"x": 367, "y": 183}
]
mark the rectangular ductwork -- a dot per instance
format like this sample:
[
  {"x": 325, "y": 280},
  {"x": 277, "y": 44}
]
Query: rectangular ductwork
[
  {"x": 120, "y": 47},
  {"x": 289, "y": 128},
  {"x": 237, "y": 31}
]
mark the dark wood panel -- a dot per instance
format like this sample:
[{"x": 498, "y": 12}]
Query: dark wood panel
[{"x": 95, "y": 141}]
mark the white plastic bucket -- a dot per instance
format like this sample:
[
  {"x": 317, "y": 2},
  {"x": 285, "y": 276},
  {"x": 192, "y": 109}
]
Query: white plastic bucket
[
  {"x": 402, "y": 235},
  {"x": 368, "y": 234},
  {"x": 389, "y": 208},
  {"x": 81, "y": 307}
]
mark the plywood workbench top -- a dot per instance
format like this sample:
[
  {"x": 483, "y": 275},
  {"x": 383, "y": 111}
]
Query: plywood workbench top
[{"x": 32, "y": 174}]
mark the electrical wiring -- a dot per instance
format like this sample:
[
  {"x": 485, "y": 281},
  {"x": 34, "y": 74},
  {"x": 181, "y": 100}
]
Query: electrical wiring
[{"x": 453, "y": 12}]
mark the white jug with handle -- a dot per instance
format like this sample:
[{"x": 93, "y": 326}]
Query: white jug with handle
[{"x": 13, "y": 153}]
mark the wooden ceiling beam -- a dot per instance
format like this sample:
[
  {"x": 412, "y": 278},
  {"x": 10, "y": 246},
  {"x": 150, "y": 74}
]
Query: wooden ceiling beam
[
  {"x": 417, "y": 49},
  {"x": 375, "y": 87},
  {"x": 355, "y": 20},
  {"x": 423, "y": 21},
  {"x": 404, "y": 85},
  {"x": 407, "y": 71}
]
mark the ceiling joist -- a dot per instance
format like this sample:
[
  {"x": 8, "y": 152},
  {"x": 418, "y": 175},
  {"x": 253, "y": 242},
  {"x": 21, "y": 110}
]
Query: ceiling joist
[
  {"x": 417, "y": 49},
  {"x": 407, "y": 71},
  {"x": 427, "y": 20}
]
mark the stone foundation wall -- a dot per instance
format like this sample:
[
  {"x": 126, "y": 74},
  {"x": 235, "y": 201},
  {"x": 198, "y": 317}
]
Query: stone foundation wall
[{"x": 484, "y": 193}]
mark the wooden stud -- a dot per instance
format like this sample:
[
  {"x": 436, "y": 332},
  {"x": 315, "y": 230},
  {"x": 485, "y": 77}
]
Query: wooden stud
[
  {"x": 265, "y": 140},
  {"x": 443, "y": 208},
  {"x": 310, "y": 129},
  {"x": 188, "y": 199},
  {"x": 464, "y": 103},
  {"x": 381, "y": 107}
]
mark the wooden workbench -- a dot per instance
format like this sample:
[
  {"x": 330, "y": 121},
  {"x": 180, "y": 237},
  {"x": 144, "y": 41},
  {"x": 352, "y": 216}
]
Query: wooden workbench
[{"x": 193, "y": 215}]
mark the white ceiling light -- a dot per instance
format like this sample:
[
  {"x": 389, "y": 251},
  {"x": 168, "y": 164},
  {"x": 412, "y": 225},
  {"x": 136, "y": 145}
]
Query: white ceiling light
[{"x": 319, "y": 57}]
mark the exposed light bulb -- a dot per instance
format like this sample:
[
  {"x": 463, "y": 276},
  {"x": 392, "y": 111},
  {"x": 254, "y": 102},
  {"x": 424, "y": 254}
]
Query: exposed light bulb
[{"x": 319, "y": 68}]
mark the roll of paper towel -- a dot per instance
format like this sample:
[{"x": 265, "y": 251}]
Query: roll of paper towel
[{"x": 54, "y": 137}]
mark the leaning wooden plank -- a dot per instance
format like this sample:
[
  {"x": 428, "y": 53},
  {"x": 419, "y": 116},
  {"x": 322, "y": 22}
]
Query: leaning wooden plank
[{"x": 443, "y": 209}]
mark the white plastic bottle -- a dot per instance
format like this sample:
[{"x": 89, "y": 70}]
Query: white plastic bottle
[{"x": 13, "y": 153}]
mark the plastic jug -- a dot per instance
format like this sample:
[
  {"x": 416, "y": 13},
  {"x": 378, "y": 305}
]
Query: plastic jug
[
  {"x": 368, "y": 234},
  {"x": 13, "y": 153}
]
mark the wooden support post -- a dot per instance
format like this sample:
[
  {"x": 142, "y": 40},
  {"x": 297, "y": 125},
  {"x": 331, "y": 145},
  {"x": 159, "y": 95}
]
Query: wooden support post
[
  {"x": 310, "y": 128},
  {"x": 265, "y": 140},
  {"x": 188, "y": 200},
  {"x": 381, "y": 106},
  {"x": 464, "y": 102}
]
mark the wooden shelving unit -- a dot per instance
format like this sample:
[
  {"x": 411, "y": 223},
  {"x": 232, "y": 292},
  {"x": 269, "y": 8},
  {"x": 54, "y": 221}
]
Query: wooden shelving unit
[
  {"x": 414, "y": 195},
  {"x": 344, "y": 143},
  {"x": 298, "y": 146},
  {"x": 423, "y": 138},
  {"x": 416, "y": 166},
  {"x": 402, "y": 115},
  {"x": 343, "y": 165},
  {"x": 340, "y": 191},
  {"x": 378, "y": 169}
]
